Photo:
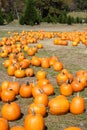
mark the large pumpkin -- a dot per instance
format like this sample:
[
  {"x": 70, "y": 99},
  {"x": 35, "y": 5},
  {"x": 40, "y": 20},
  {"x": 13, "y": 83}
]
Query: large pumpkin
[
  {"x": 11, "y": 111},
  {"x": 58, "y": 105},
  {"x": 34, "y": 122}
]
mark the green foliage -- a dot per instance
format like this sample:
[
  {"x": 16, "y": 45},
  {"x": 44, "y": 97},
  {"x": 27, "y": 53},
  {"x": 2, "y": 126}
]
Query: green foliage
[
  {"x": 30, "y": 14},
  {"x": 62, "y": 18},
  {"x": 86, "y": 20},
  {"x": 21, "y": 20},
  {"x": 77, "y": 20},
  {"x": 50, "y": 19},
  {"x": 69, "y": 20},
  {"x": 9, "y": 17},
  {"x": 1, "y": 18}
]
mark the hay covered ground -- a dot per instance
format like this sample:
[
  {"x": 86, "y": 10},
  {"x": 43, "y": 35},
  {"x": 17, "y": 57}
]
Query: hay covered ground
[{"x": 73, "y": 59}]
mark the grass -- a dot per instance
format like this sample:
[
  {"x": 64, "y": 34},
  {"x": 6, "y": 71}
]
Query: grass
[{"x": 69, "y": 56}]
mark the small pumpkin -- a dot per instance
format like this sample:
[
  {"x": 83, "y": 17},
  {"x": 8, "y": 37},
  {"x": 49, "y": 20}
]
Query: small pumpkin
[
  {"x": 77, "y": 85},
  {"x": 58, "y": 66},
  {"x": 15, "y": 86},
  {"x": 4, "y": 85},
  {"x": 48, "y": 89},
  {"x": 41, "y": 74},
  {"x": 38, "y": 109},
  {"x": 36, "y": 90},
  {"x": 25, "y": 90},
  {"x": 11, "y": 70},
  {"x": 61, "y": 78},
  {"x": 42, "y": 99},
  {"x": 66, "y": 89},
  {"x": 19, "y": 73},
  {"x": 29, "y": 72},
  {"x": 7, "y": 95}
]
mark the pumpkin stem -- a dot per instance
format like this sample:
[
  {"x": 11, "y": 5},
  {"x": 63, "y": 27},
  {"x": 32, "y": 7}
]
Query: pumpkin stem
[
  {"x": 41, "y": 91},
  {"x": 47, "y": 108},
  {"x": 27, "y": 83},
  {"x": 33, "y": 112},
  {"x": 14, "y": 78},
  {"x": 9, "y": 102},
  {"x": 78, "y": 94},
  {"x": 79, "y": 79}
]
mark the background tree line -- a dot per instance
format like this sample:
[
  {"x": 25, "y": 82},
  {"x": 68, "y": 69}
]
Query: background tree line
[{"x": 36, "y": 11}]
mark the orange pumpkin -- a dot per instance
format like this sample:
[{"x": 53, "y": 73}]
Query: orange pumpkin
[
  {"x": 77, "y": 85},
  {"x": 19, "y": 73},
  {"x": 48, "y": 89},
  {"x": 66, "y": 89},
  {"x": 15, "y": 86},
  {"x": 25, "y": 90},
  {"x": 73, "y": 128},
  {"x": 29, "y": 72},
  {"x": 11, "y": 70},
  {"x": 35, "y": 61},
  {"x": 4, "y": 124},
  {"x": 57, "y": 66},
  {"x": 43, "y": 82},
  {"x": 41, "y": 74},
  {"x": 17, "y": 128},
  {"x": 41, "y": 99},
  {"x": 7, "y": 63},
  {"x": 61, "y": 78},
  {"x": 36, "y": 90},
  {"x": 4, "y": 85},
  {"x": 7, "y": 95},
  {"x": 11, "y": 111},
  {"x": 77, "y": 105},
  {"x": 58, "y": 105},
  {"x": 38, "y": 109},
  {"x": 34, "y": 122}
]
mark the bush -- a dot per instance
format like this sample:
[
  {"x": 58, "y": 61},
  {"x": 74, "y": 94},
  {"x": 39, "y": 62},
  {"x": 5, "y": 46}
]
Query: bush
[
  {"x": 50, "y": 19},
  {"x": 21, "y": 20},
  {"x": 77, "y": 20},
  {"x": 69, "y": 20},
  {"x": 9, "y": 17},
  {"x": 1, "y": 18},
  {"x": 86, "y": 20}
]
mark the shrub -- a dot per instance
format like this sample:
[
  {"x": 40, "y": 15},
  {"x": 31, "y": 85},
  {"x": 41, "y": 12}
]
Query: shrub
[
  {"x": 21, "y": 20},
  {"x": 1, "y": 18},
  {"x": 9, "y": 17},
  {"x": 50, "y": 19},
  {"x": 69, "y": 20}
]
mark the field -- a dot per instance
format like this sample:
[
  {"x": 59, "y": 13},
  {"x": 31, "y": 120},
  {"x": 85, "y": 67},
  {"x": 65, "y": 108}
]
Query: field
[{"x": 74, "y": 58}]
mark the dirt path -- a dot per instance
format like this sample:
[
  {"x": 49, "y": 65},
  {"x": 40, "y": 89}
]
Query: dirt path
[{"x": 45, "y": 27}]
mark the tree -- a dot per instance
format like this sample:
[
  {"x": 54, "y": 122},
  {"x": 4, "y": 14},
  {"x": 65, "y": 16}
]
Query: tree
[{"x": 30, "y": 14}]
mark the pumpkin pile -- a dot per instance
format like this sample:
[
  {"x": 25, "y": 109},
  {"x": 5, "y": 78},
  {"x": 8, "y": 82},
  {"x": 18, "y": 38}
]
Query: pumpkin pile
[{"x": 14, "y": 50}]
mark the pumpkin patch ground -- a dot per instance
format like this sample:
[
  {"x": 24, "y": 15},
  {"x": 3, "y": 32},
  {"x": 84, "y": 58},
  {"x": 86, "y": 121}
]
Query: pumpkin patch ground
[{"x": 40, "y": 65}]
